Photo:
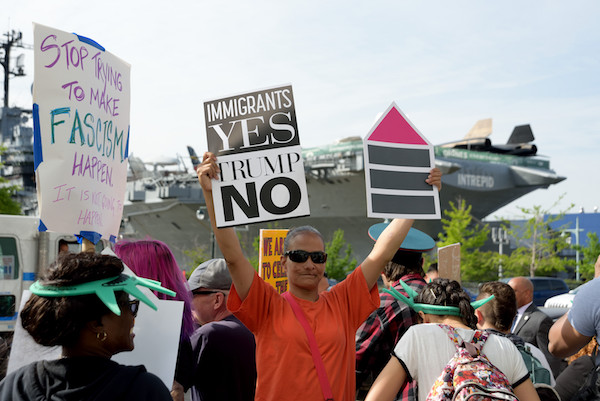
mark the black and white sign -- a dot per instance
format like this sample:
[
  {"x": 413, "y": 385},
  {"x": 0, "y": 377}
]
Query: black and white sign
[
  {"x": 255, "y": 138},
  {"x": 398, "y": 159}
]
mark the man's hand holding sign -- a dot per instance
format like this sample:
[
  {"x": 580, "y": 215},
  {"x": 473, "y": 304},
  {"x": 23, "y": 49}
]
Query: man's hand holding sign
[
  {"x": 336, "y": 314},
  {"x": 255, "y": 136},
  {"x": 397, "y": 160}
]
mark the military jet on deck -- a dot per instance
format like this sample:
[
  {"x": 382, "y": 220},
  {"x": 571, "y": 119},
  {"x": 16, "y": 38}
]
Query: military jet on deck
[{"x": 488, "y": 176}]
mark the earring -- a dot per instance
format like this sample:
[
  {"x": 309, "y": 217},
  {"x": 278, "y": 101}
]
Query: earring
[{"x": 101, "y": 336}]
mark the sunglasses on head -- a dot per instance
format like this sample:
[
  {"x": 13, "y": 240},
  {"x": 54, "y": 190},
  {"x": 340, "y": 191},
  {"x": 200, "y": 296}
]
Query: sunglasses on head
[{"x": 300, "y": 256}]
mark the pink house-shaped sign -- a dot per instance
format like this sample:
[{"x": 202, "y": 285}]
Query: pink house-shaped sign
[{"x": 397, "y": 162}]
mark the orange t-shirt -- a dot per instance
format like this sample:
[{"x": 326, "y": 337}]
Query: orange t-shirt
[{"x": 286, "y": 370}]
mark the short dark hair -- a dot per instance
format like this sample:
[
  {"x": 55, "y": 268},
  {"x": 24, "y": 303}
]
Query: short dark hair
[
  {"x": 432, "y": 268},
  {"x": 59, "y": 320},
  {"x": 443, "y": 291},
  {"x": 502, "y": 309},
  {"x": 296, "y": 231},
  {"x": 403, "y": 263}
]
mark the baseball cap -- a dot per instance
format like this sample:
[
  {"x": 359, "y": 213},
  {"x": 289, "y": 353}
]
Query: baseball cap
[{"x": 211, "y": 274}]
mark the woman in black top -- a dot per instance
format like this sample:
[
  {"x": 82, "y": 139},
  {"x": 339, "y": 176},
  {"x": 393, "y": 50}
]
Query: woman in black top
[{"x": 82, "y": 305}]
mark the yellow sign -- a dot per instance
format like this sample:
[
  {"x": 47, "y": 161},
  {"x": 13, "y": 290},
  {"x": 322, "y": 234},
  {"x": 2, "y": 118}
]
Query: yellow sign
[{"x": 269, "y": 259}]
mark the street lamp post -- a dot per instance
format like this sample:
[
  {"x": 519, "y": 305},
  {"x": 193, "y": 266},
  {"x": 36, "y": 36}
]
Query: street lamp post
[
  {"x": 13, "y": 39},
  {"x": 575, "y": 231},
  {"x": 500, "y": 238},
  {"x": 202, "y": 214}
]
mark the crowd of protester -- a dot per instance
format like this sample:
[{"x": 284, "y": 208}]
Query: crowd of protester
[{"x": 241, "y": 340}]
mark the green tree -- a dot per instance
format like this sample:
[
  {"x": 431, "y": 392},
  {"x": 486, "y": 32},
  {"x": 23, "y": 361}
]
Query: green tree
[
  {"x": 8, "y": 205},
  {"x": 590, "y": 255},
  {"x": 517, "y": 263},
  {"x": 459, "y": 227},
  {"x": 197, "y": 256},
  {"x": 338, "y": 266},
  {"x": 540, "y": 244},
  {"x": 255, "y": 255}
]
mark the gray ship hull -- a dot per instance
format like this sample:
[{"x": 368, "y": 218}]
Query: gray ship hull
[{"x": 336, "y": 202}]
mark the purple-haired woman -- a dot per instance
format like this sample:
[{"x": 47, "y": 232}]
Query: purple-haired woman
[{"x": 154, "y": 260}]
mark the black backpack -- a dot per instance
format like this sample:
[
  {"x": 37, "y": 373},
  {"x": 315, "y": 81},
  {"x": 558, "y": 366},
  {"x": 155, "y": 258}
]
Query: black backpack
[{"x": 590, "y": 390}]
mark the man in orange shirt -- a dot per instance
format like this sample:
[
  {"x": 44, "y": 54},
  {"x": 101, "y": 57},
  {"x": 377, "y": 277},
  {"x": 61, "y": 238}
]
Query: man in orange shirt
[{"x": 286, "y": 370}]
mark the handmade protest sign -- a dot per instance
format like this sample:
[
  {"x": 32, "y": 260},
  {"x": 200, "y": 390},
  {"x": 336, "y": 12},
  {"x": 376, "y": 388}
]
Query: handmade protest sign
[
  {"x": 398, "y": 159},
  {"x": 81, "y": 98},
  {"x": 255, "y": 138},
  {"x": 269, "y": 258}
]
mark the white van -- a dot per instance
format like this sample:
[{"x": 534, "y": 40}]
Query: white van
[{"x": 23, "y": 252}]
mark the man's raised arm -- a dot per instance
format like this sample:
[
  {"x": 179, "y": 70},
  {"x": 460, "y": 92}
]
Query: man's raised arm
[
  {"x": 242, "y": 272},
  {"x": 391, "y": 238}
]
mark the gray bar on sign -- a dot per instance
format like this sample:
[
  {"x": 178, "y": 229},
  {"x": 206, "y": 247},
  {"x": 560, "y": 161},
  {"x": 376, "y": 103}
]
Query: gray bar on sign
[
  {"x": 397, "y": 204},
  {"x": 398, "y": 156},
  {"x": 401, "y": 180}
]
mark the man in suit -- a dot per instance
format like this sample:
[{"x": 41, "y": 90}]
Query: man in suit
[{"x": 531, "y": 324}]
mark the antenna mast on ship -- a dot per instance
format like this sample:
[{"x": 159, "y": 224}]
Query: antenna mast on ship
[
  {"x": 13, "y": 39},
  {"x": 15, "y": 136}
]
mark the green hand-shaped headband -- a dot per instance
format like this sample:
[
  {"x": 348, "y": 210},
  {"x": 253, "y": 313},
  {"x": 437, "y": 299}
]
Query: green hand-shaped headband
[
  {"x": 105, "y": 290},
  {"x": 427, "y": 308}
]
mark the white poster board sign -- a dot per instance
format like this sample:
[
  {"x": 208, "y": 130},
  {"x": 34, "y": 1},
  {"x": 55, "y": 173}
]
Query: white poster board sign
[
  {"x": 81, "y": 98},
  {"x": 255, "y": 138},
  {"x": 398, "y": 159},
  {"x": 156, "y": 338}
]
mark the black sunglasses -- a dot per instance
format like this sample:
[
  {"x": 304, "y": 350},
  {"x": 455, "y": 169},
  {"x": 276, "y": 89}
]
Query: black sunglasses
[
  {"x": 300, "y": 256},
  {"x": 134, "y": 306},
  {"x": 206, "y": 292}
]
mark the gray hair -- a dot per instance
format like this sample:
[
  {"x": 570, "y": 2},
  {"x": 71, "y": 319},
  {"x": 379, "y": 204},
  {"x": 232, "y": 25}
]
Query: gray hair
[{"x": 296, "y": 231}]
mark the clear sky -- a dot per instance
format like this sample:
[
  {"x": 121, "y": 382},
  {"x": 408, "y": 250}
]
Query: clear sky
[{"x": 445, "y": 64}]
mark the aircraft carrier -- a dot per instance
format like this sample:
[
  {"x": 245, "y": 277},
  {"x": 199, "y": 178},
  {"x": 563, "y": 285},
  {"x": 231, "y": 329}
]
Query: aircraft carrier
[
  {"x": 166, "y": 202},
  {"x": 169, "y": 206}
]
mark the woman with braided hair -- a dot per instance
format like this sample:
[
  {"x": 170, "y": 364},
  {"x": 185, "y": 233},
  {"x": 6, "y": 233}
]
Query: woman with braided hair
[
  {"x": 425, "y": 349},
  {"x": 446, "y": 292},
  {"x": 82, "y": 303}
]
